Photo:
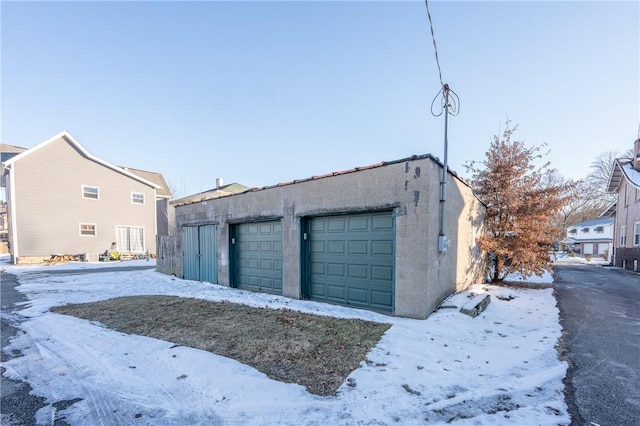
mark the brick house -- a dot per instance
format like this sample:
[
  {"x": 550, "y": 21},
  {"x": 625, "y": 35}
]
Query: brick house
[{"x": 625, "y": 181}]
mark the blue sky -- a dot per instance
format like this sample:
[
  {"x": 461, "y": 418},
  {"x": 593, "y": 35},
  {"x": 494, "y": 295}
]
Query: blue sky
[{"x": 266, "y": 92}]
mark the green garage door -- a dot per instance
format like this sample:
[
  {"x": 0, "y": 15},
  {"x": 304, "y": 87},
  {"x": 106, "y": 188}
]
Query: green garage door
[
  {"x": 350, "y": 260},
  {"x": 257, "y": 256}
]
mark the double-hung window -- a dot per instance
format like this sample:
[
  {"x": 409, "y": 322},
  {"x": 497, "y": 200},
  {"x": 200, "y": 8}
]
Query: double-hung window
[
  {"x": 636, "y": 234},
  {"x": 623, "y": 235}
]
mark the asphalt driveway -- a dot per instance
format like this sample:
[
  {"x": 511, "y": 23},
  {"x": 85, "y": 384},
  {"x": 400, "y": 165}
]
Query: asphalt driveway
[
  {"x": 17, "y": 406},
  {"x": 600, "y": 315}
]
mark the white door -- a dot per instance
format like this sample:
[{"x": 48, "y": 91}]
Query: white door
[{"x": 588, "y": 248}]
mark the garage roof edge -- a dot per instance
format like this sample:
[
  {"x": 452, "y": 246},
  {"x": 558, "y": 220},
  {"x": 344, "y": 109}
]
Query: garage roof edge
[{"x": 337, "y": 173}]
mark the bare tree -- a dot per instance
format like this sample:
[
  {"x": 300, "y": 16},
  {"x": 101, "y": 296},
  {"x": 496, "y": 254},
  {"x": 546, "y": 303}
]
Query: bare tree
[{"x": 601, "y": 168}]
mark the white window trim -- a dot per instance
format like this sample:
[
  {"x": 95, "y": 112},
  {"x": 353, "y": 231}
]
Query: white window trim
[
  {"x": 97, "y": 188},
  {"x": 626, "y": 196},
  {"x": 95, "y": 229},
  {"x": 138, "y": 193},
  {"x": 636, "y": 234},
  {"x": 623, "y": 236}
]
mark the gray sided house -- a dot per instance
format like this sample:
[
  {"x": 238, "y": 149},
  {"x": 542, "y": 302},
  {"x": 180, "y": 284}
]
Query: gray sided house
[
  {"x": 63, "y": 200},
  {"x": 364, "y": 238}
]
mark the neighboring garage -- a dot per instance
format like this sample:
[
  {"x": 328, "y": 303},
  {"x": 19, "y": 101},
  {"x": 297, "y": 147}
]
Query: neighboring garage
[{"x": 365, "y": 237}]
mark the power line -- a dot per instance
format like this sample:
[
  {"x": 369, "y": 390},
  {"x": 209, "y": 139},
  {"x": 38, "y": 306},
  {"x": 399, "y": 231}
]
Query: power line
[{"x": 433, "y": 37}]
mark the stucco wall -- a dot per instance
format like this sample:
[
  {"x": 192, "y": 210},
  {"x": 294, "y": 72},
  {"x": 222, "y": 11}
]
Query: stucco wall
[{"x": 411, "y": 188}]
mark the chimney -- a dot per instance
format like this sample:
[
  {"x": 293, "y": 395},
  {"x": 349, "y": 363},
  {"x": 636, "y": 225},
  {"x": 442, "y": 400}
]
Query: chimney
[
  {"x": 636, "y": 154},
  {"x": 220, "y": 182}
]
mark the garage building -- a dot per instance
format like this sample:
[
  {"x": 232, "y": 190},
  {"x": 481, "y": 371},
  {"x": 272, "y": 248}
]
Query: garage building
[{"x": 365, "y": 238}]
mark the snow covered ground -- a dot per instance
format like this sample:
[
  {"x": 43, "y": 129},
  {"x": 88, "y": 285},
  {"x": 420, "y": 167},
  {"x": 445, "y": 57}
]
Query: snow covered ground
[{"x": 500, "y": 368}]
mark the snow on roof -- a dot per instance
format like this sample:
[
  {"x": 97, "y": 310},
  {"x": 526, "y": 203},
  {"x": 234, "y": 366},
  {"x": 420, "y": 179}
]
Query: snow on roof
[
  {"x": 623, "y": 169},
  {"x": 632, "y": 175}
]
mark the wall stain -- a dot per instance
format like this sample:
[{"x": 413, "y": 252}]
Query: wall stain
[
  {"x": 406, "y": 185},
  {"x": 406, "y": 167},
  {"x": 416, "y": 173},
  {"x": 416, "y": 198}
]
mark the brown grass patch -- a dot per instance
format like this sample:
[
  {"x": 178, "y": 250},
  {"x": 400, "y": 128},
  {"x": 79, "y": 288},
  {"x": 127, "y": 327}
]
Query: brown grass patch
[{"x": 313, "y": 351}]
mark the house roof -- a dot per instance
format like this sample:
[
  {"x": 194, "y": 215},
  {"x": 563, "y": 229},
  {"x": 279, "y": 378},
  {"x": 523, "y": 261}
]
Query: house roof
[
  {"x": 222, "y": 191},
  {"x": 11, "y": 148},
  {"x": 623, "y": 169},
  {"x": 157, "y": 178},
  {"x": 194, "y": 199},
  {"x": 610, "y": 211},
  {"x": 65, "y": 135},
  {"x": 575, "y": 240},
  {"x": 8, "y": 151},
  {"x": 594, "y": 222}
]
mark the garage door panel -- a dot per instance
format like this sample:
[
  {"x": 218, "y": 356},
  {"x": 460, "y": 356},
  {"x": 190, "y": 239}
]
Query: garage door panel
[
  {"x": 335, "y": 247},
  {"x": 358, "y": 247},
  {"x": 351, "y": 260},
  {"x": 258, "y": 256},
  {"x": 382, "y": 273},
  {"x": 336, "y": 269},
  {"x": 337, "y": 224},
  {"x": 382, "y": 248},
  {"x": 380, "y": 223},
  {"x": 319, "y": 289},
  {"x": 358, "y": 224},
  {"x": 359, "y": 295},
  {"x": 318, "y": 246},
  {"x": 336, "y": 292},
  {"x": 318, "y": 226},
  {"x": 266, "y": 246},
  {"x": 277, "y": 265},
  {"x": 358, "y": 271},
  {"x": 381, "y": 298},
  {"x": 318, "y": 268}
]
